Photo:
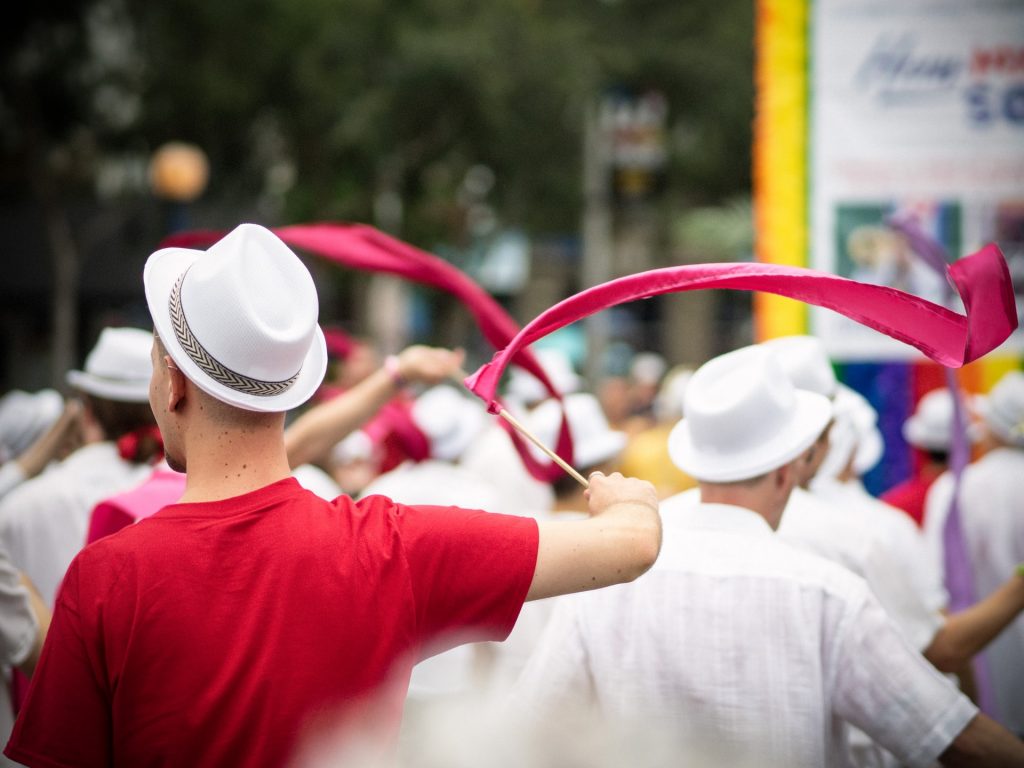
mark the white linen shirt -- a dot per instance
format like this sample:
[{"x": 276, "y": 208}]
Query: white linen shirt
[
  {"x": 747, "y": 648},
  {"x": 18, "y": 628},
  {"x": 813, "y": 525},
  {"x": 44, "y": 521},
  {"x": 898, "y": 532},
  {"x": 992, "y": 517}
]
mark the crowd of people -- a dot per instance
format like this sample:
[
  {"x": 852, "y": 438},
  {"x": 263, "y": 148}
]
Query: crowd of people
[{"x": 243, "y": 541}]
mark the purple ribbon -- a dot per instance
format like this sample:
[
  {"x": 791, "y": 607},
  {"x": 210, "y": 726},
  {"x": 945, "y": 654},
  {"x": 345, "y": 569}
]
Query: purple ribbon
[{"x": 959, "y": 570}]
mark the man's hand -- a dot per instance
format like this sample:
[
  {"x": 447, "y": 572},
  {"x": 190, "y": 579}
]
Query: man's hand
[
  {"x": 429, "y": 365},
  {"x": 617, "y": 543},
  {"x": 608, "y": 490}
]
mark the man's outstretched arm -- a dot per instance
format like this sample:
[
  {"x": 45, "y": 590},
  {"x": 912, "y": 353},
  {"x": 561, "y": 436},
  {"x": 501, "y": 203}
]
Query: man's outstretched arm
[
  {"x": 984, "y": 743},
  {"x": 617, "y": 543}
]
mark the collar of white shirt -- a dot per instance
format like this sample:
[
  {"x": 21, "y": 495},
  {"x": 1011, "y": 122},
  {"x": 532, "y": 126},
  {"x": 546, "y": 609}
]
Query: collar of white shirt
[{"x": 717, "y": 517}]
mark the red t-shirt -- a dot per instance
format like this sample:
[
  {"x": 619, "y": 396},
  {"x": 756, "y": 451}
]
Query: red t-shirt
[{"x": 220, "y": 633}]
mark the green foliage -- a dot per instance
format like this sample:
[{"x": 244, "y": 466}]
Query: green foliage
[{"x": 357, "y": 96}]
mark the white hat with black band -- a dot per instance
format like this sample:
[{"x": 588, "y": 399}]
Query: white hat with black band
[{"x": 240, "y": 319}]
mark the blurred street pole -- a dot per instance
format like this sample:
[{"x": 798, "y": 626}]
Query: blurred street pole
[
  {"x": 388, "y": 302},
  {"x": 64, "y": 311},
  {"x": 598, "y": 253}
]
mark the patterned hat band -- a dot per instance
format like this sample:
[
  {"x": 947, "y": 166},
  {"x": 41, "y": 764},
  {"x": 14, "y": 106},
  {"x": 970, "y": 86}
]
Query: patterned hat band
[{"x": 209, "y": 364}]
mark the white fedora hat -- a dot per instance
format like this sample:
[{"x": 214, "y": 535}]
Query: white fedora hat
[
  {"x": 806, "y": 363},
  {"x": 593, "y": 440},
  {"x": 743, "y": 417},
  {"x": 240, "y": 319},
  {"x": 1002, "y": 409},
  {"x": 449, "y": 420},
  {"x": 118, "y": 367}
]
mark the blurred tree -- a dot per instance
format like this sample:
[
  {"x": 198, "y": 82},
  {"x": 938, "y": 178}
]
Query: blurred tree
[
  {"x": 357, "y": 110},
  {"x": 327, "y": 104}
]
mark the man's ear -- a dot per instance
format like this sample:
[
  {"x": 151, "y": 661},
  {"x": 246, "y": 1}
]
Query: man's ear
[
  {"x": 784, "y": 476},
  {"x": 176, "y": 382}
]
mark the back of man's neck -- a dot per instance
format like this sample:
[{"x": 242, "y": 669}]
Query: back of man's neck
[{"x": 230, "y": 464}]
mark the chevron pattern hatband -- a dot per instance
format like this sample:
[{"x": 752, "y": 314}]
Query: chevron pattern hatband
[{"x": 209, "y": 364}]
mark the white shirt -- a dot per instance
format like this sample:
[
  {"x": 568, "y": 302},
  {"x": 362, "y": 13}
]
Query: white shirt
[
  {"x": 992, "y": 517},
  {"x": 904, "y": 540},
  {"x": 494, "y": 458},
  {"x": 11, "y": 476},
  {"x": 748, "y": 649},
  {"x": 813, "y": 525},
  {"x": 18, "y": 629},
  {"x": 44, "y": 521}
]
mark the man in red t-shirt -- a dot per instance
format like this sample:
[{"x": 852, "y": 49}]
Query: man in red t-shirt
[{"x": 229, "y": 627}]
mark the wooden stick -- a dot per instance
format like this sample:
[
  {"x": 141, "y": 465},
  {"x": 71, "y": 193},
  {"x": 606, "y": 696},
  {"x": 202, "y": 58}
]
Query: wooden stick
[
  {"x": 460, "y": 377},
  {"x": 551, "y": 454}
]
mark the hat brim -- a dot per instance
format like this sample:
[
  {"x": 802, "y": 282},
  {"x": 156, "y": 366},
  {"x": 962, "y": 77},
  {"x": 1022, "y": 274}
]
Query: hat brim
[
  {"x": 162, "y": 270},
  {"x": 109, "y": 389},
  {"x": 813, "y": 413}
]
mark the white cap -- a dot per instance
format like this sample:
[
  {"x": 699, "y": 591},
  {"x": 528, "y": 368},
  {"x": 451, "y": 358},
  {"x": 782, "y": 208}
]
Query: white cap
[
  {"x": 930, "y": 427},
  {"x": 119, "y": 367},
  {"x": 743, "y": 417},
  {"x": 526, "y": 388},
  {"x": 24, "y": 417},
  {"x": 449, "y": 420},
  {"x": 593, "y": 441},
  {"x": 648, "y": 367},
  {"x": 1003, "y": 408},
  {"x": 805, "y": 361}
]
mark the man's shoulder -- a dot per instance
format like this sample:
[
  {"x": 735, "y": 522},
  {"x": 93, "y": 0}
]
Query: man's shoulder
[{"x": 767, "y": 559}]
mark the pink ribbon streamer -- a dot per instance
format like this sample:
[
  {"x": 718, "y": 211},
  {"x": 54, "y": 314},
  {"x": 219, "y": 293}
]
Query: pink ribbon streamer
[
  {"x": 982, "y": 280},
  {"x": 362, "y": 247}
]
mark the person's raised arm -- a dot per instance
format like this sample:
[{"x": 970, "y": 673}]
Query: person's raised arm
[
  {"x": 42, "y": 616},
  {"x": 54, "y": 443},
  {"x": 967, "y": 632},
  {"x": 984, "y": 743},
  {"x": 312, "y": 435},
  {"x": 617, "y": 543}
]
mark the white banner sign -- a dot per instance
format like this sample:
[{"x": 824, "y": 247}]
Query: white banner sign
[{"x": 916, "y": 106}]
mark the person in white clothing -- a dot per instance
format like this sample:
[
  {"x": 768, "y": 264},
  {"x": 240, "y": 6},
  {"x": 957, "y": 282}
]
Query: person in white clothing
[
  {"x": 23, "y": 624},
  {"x": 752, "y": 651},
  {"x": 35, "y": 429},
  {"x": 596, "y": 448},
  {"x": 855, "y": 446},
  {"x": 840, "y": 522},
  {"x": 992, "y": 517},
  {"x": 44, "y": 521}
]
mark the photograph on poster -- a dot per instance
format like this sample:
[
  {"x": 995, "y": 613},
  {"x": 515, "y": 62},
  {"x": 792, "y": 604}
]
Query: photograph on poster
[{"x": 867, "y": 250}]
